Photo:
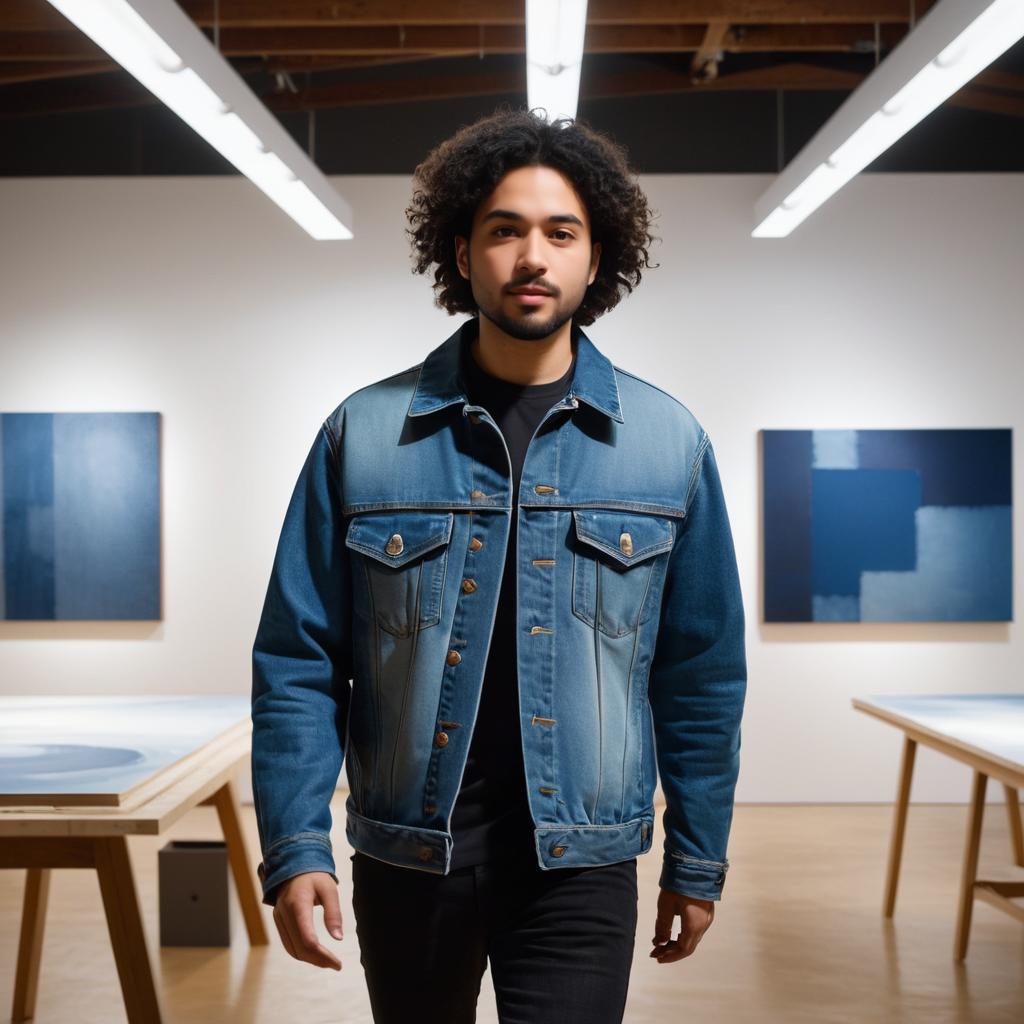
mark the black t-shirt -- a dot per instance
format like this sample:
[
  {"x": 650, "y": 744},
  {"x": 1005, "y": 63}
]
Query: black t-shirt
[{"x": 491, "y": 817}]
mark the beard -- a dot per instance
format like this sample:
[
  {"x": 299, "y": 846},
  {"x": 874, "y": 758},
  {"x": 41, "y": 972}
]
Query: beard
[
  {"x": 527, "y": 327},
  {"x": 532, "y": 324}
]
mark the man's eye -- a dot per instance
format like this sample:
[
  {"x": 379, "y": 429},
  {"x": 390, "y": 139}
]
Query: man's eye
[{"x": 562, "y": 231}]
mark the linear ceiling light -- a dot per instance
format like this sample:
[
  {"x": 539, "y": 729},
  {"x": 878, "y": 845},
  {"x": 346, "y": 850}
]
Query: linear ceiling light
[
  {"x": 554, "y": 55},
  {"x": 953, "y": 42},
  {"x": 165, "y": 50}
]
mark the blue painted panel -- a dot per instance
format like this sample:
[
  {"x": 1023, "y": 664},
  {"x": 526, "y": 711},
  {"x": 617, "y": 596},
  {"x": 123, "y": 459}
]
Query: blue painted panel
[
  {"x": 963, "y": 572},
  {"x": 28, "y": 516},
  {"x": 787, "y": 525},
  {"x": 861, "y": 519},
  {"x": 107, "y": 502},
  {"x": 80, "y": 503},
  {"x": 957, "y": 467}
]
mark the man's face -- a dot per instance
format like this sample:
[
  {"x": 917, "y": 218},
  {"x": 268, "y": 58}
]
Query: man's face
[{"x": 531, "y": 231}]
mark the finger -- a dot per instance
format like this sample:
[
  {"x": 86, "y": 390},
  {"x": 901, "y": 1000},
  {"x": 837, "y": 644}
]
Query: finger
[
  {"x": 683, "y": 946},
  {"x": 286, "y": 940},
  {"x": 663, "y": 924},
  {"x": 304, "y": 933},
  {"x": 327, "y": 897}
]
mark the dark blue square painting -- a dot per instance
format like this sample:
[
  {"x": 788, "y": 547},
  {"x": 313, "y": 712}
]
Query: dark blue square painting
[
  {"x": 888, "y": 526},
  {"x": 80, "y": 515}
]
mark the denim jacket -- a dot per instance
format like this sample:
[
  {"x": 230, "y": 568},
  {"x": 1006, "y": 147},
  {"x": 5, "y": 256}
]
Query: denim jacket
[{"x": 378, "y": 618}]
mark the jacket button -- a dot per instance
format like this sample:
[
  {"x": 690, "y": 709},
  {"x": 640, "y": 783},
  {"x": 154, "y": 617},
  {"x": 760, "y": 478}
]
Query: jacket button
[
  {"x": 558, "y": 850},
  {"x": 430, "y": 808},
  {"x": 476, "y": 544},
  {"x": 643, "y": 830},
  {"x": 474, "y": 417},
  {"x": 395, "y": 545},
  {"x": 425, "y": 853},
  {"x": 626, "y": 543},
  {"x": 453, "y": 657},
  {"x": 476, "y": 494},
  {"x": 441, "y": 739},
  {"x": 469, "y": 586}
]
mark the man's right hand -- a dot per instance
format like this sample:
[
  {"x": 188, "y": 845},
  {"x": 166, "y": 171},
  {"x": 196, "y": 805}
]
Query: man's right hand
[{"x": 293, "y": 915}]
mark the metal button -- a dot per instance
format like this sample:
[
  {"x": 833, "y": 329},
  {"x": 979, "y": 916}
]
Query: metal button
[
  {"x": 395, "y": 546},
  {"x": 474, "y": 417},
  {"x": 558, "y": 850},
  {"x": 476, "y": 494},
  {"x": 430, "y": 808},
  {"x": 544, "y": 488},
  {"x": 469, "y": 586},
  {"x": 425, "y": 853},
  {"x": 476, "y": 544},
  {"x": 441, "y": 739},
  {"x": 574, "y": 402},
  {"x": 453, "y": 657},
  {"x": 626, "y": 543},
  {"x": 644, "y": 829}
]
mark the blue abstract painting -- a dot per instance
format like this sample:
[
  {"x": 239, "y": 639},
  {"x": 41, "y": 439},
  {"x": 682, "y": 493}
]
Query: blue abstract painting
[
  {"x": 80, "y": 515},
  {"x": 888, "y": 525}
]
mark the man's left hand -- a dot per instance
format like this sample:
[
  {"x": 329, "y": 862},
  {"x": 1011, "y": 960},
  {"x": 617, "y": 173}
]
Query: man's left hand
[{"x": 696, "y": 916}]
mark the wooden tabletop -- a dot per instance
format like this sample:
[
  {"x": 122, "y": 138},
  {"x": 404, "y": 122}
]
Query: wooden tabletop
[
  {"x": 988, "y": 726},
  {"x": 158, "y": 757}
]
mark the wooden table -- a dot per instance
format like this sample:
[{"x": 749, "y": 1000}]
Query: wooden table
[
  {"x": 126, "y": 766},
  {"x": 985, "y": 731}
]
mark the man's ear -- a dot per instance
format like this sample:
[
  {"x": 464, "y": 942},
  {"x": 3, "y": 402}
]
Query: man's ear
[
  {"x": 462, "y": 255},
  {"x": 595, "y": 259}
]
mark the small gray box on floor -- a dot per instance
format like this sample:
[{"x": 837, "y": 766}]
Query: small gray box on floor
[{"x": 194, "y": 902}]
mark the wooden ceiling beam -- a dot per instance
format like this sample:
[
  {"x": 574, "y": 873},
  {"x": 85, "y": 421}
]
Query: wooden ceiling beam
[
  {"x": 102, "y": 93},
  {"x": 704, "y": 66},
  {"x": 36, "y": 15},
  {"x": 38, "y": 71},
  {"x": 463, "y": 41}
]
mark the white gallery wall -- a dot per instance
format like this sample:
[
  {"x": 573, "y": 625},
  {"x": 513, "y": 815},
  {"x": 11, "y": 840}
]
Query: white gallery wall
[{"x": 899, "y": 304}]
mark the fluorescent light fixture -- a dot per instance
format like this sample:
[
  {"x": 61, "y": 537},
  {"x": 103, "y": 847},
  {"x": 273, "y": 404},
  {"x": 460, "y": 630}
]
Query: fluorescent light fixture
[
  {"x": 554, "y": 55},
  {"x": 165, "y": 50},
  {"x": 953, "y": 42}
]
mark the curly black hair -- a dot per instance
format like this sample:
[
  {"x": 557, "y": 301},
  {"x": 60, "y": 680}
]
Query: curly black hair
[{"x": 457, "y": 175}]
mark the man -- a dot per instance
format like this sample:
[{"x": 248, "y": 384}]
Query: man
[{"x": 505, "y": 592}]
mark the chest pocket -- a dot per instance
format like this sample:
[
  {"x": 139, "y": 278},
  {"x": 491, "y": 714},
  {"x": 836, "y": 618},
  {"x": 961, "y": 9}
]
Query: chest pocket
[
  {"x": 614, "y": 558},
  {"x": 405, "y": 556}
]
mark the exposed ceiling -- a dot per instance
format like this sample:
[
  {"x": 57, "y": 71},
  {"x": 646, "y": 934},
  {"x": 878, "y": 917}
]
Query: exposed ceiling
[{"x": 686, "y": 85}]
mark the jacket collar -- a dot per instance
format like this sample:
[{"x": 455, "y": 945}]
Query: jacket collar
[{"x": 440, "y": 383}]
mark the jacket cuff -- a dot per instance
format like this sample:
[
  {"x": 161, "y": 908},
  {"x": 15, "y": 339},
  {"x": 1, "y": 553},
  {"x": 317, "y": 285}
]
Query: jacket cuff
[
  {"x": 691, "y": 876},
  {"x": 294, "y": 855}
]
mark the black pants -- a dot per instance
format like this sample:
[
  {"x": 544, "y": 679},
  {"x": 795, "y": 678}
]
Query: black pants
[{"x": 559, "y": 942}]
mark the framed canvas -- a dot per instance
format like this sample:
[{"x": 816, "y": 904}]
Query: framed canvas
[
  {"x": 888, "y": 525},
  {"x": 80, "y": 515}
]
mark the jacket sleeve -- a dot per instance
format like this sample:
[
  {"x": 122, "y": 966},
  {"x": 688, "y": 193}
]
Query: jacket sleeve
[
  {"x": 300, "y": 678},
  {"x": 697, "y": 688}
]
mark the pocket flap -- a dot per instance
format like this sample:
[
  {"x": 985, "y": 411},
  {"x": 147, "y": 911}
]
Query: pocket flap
[
  {"x": 628, "y": 537},
  {"x": 396, "y": 537}
]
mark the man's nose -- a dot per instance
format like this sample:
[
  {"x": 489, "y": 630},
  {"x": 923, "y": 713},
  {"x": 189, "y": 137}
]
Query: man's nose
[{"x": 531, "y": 252}]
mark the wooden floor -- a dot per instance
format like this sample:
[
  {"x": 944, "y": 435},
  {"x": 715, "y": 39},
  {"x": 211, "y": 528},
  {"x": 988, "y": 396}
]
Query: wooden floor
[{"x": 799, "y": 936}]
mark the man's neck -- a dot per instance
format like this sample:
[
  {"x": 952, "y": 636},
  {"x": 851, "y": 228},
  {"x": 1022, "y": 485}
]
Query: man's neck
[{"x": 523, "y": 362}]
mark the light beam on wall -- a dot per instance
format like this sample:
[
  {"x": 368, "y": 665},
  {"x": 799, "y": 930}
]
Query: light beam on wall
[
  {"x": 164, "y": 49},
  {"x": 953, "y": 42},
  {"x": 554, "y": 55}
]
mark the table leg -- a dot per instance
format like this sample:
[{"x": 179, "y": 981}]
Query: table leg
[
  {"x": 30, "y": 944},
  {"x": 1016, "y": 833},
  {"x": 969, "y": 871},
  {"x": 249, "y": 896},
  {"x": 121, "y": 903},
  {"x": 899, "y": 825}
]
